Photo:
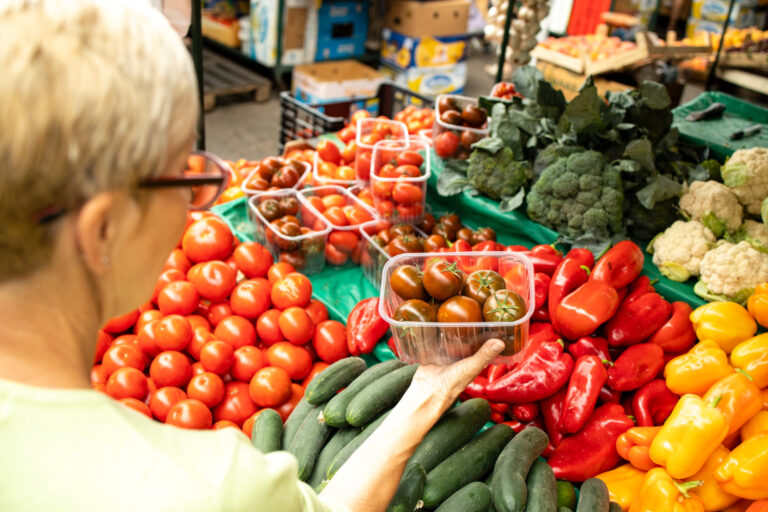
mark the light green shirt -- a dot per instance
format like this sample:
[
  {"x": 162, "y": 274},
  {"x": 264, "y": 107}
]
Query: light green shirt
[{"x": 79, "y": 450}]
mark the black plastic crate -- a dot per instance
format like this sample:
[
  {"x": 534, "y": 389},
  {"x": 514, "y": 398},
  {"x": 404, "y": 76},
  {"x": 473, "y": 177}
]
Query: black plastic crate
[{"x": 302, "y": 121}]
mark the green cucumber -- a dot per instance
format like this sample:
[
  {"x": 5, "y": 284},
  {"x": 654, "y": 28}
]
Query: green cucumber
[
  {"x": 335, "y": 411},
  {"x": 409, "y": 490},
  {"x": 615, "y": 507},
  {"x": 470, "y": 463},
  {"x": 454, "y": 430},
  {"x": 294, "y": 421},
  {"x": 510, "y": 492},
  {"x": 309, "y": 440},
  {"x": 334, "y": 445},
  {"x": 379, "y": 396},
  {"x": 473, "y": 497},
  {"x": 328, "y": 382},
  {"x": 566, "y": 509},
  {"x": 542, "y": 488},
  {"x": 594, "y": 496},
  {"x": 353, "y": 445},
  {"x": 566, "y": 494},
  {"x": 267, "y": 431}
]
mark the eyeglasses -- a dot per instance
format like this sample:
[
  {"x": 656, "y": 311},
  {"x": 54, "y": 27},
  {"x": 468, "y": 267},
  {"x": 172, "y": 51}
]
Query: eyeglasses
[{"x": 206, "y": 176}]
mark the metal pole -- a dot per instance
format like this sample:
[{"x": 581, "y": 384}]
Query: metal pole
[
  {"x": 197, "y": 57},
  {"x": 713, "y": 71},
  {"x": 278, "y": 71},
  {"x": 504, "y": 42}
]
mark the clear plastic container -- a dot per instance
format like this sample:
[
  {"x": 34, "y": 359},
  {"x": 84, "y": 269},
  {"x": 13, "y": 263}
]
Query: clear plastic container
[
  {"x": 318, "y": 180},
  {"x": 248, "y": 188},
  {"x": 445, "y": 343},
  {"x": 304, "y": 252},
  {"x": 369, "y": 128},
  {"x": 467, "y": 136},
  {"x": 402, "y": 198},
  {"x": 345, "y": 242},
  {"x": 426, "y": 136},
  {"x": 374, "y": 257}
]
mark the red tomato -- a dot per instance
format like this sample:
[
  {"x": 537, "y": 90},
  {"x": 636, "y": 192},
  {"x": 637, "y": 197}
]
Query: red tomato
[
  {"x": 268, "y": 328},
  {"x": 208, "y": 388},
  {"x": 147, "y": 339},
  {"x": 197, "y": 368},
  {"x": 363, "y": 165},
  {"x": 253, "y": 259},
  {"x": 344, "y": 172},
  {"x": 358, "y": 215},
  {"x": 121, "y": 323},
  {"x": 251, "y": 298},
  {"x": 330, "y": 341},
  {"x": 218, "y": 312},
  {"x": 316, "y": 311},
  {"x": 407, "y": 171},
  {"x": 407, "y": 193},
  {"x": 296, "y": 325},
  {"x": 248, "y": 360},
  {"x": 248, "y": 424},
  {"x": 103, "y": 340},
  {"x": 127, "y": 383},
  {"x": 217, "y": 356},
  {"x": 98, "y": 375},
  {"x": 145, "y": 318},
  {"x": 329, "y": 151},
  {"x": 151, "y": 387},
  {"x": 285, "y": 410},
  {"x": 318, "y": 367},
  {"x": 190, "y": 413},
  {"x": 409, "y": 211},
  {"x": 347, "y": 134},
  {"x": 278, "y": 271},
  {"x": 293, "y": 290},
  {"x": 177, "y": 260},
  {"x": 214, "y": 280},
  {"x": 170, "y": 368},
  {"x": 335, "y": 216},
  {"x": 200, "y": 336},
  {"x": 168, "y": 276},
  {"x": 207, "y": 239},
  {"x": 357, "y": 115},
  {"x": 335, "y": 256},
  {"x": 270, "y": 387},
  {"x": 137, "y": 405},
  {"x": 410, "y": 158},
  {"x": 237, "y": 405},
  {"x": 296, "y": 361},
  {"x": 178, "y": 297},
  {"x": 446, "y": 144},
  {"x": 386, "y": 208},
  {"x": 173, "y": 333},
  {"x": 196, "y": 321},
  {"x": 219, "y": 425},
  {"x": 161, "y": 401},
  {"x": 121, "y": 356},
  {"x": 236, "y": 330},
  {"x": 332, "y": 200},
  {"x": 345, "y": 241}
]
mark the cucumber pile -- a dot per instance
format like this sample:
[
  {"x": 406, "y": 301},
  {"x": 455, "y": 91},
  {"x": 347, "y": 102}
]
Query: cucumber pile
[{"x": 456, "y": 468}]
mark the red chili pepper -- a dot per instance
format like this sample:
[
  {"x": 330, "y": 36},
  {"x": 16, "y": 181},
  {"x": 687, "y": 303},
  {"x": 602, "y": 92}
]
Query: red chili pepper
[
  {"x": 571, "y": 273},
  {"x": 541, "y": 315},
  {"x": 541, "y": 289},
  {"x": 495, "y": 371},
  {"x": 609, "y": 396},
  {"x": 499, "y": 407},
  {"x": 515, "y": 425},
  {"x": 461, "y": 246},
  {"x": 546, "y": 249},
  {"x": 637, "y": 366},
  {"x": 544, "y": 263},
  {"x": 637, "y": 320},
  {"x": 540, "y": 374},
  {"x": 365, "y": 327},
  {"x": 488, "y": 245},
  {"x": 590, "y": 346},
  {"x": 593, "y": 449},
  {"x": 552, "y": 411},
  {"x": 525, "y": 412},
  {"x": 582, "y": 311},
  {"x": 622, "y": 292},
  {"x": 677, "y": 335},
  {"x": 496, "y": 417},
  {"x": 538, "y": 333},
  {"x": 516, "y": 248},
  {"x": 548, "y": 451},
  {"x": 638, "y": 288},
  {"x": 653, "y": 403},
  {"x": 587, "y": 378},
  {"x": 620, "y": 265},
  {"x": 392, "y": 346},
  {"x": 476, "y": 388}
]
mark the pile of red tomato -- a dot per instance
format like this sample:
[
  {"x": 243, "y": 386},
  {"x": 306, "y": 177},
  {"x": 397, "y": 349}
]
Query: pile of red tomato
[
  {"x": 209, "y": 350},
  {"x": 416, "y": 119}
]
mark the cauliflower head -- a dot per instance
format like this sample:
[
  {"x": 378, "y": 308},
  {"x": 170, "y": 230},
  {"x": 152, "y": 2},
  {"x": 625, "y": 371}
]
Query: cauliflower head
[
  {"x": 714, "y": 204},
  {"x": 756, "y": 231},
  {"x": 746, "y": 173},
  {"x": 678, "y": 251},
  {"x": 733, "y": 270}
]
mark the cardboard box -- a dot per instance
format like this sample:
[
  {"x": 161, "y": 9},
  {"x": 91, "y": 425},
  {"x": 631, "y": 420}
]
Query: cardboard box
[
  {"x": 342, "y": 27},
  {"x": 569, "y": 82},
  {"x": 224, "y": 32},
  {"x": 419, "y": 19},
  {"x": 329, "y": 82},
  {"x": 429, "y": 81},
  {"x": 299, "y": 32}
]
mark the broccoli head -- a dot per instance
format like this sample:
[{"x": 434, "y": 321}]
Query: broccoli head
[
  {"x": 497, "y": 175},
  {"x": 579, "y": 195},
  {"x": 551, "y": 154}
]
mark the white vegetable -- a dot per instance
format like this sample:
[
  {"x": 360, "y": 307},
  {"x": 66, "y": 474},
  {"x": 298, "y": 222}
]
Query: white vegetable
[
  {"x": 729, "y": 269},
  {"x": 746, "y": 172},
  {"x": 678, "y": 251},
  {"x": 713, "y": 204}
]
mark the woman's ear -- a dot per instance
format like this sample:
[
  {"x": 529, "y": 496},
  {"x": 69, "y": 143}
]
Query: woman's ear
[{"x": 96, "y": 227}]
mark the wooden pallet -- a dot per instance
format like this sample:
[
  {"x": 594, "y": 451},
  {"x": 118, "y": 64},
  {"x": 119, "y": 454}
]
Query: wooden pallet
[{"x": 222, "y": 78}]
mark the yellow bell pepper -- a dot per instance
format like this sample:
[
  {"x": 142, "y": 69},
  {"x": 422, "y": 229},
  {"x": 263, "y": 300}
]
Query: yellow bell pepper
[
  {"x": 757, "y": 424},
  {"x": 725, "y": 323},
  {"x": 744, "y": 472},
  {"x": 661, "y": 493},
  {"x": 690, "y": 435},
  {"x": 623, "y": 484},
  {"x": 699, "y": 368},
  {"x": 712, "y": 495},
  {"x": 758, "y": 304},
  {"x": 737, "y": 397},
  {"x": 752, "y": 357},
  {"x": 634, "y": 445},
  {"x": 765, "y": 399}
]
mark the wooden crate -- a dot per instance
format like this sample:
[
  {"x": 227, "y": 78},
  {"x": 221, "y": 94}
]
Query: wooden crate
[
  {"x": 673, "y": 50},
  {"x": 222, "y": 78},
  {"x": 619, "y": 61},
  {"x": 574, "y": 64},
  {"x": 747, "y": 60}
]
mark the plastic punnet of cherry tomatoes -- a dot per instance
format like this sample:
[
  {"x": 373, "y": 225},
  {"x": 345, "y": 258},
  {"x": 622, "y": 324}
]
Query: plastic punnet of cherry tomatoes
[
  {"x": 275, "y": 172},
  {"x": 461, "y": 123},
  {"x": 505, "y": 91}
]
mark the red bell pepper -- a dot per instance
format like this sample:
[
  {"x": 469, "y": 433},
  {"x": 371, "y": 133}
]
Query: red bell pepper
[
  {"x": 582, "y": 311},
  {"x": 551, "y": 412},
  {"x": 620, "y": 265},
  {"x": 587, "y": 378},
  {"x": 590, "y": 346},
  {"x": 541, "y": 373},
  {"x": 365, "y": 327},
  {"x": 495, "y": 371},
  {"x": 609, "y": 396},
  {"x": 637, "y": 319},
  {"x": 499, "y": 408},
  {"x": 516, "y": 248},
  {"x": 593, "y": 449},
  {"x": 538, "y": 333},
  {"x": 637, "y": 366},
  {"x": 545, "y": 258},
  {"x": 677, "y": 335},
  {"x": 515, "y": 425},
  {"x": 488, "y": 245},
  {"x": 653, "y": 403},
  {"x": 639, "y": 287},
  {"x": 571, "y": 273},
  {"x": 540, "y": 289},
  {"x": 525, "y": 412},
  {"x": 496, "y": 417},
  {"x": 541, "y": 315},
  {"x": 476, "y": 388}
]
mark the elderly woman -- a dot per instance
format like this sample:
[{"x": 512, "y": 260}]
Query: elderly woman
[{"x": 98, "y": 105}]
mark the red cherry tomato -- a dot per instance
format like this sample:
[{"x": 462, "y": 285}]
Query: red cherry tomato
[
  {"x": 170, "y": 368},
  {"x": 191, "y": 414},
  {"x": 330, "y": 341},
  {"x": 248, "y": 360},
  {"x": 251, "y": 298},
  {"x": 213, "y": 280},
  {"x": 208, "y": 388},
  {"x": 207, "y": 239},
  {"x": 296, "y": 325},
  {"x": 296, "y": 361},
  {"x": 270, "y": 387},
  {"x": 217, "y": 357},
  {"x": 236, "y": 330}
]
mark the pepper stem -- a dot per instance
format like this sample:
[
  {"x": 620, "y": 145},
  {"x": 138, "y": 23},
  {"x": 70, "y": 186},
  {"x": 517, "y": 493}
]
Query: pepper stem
[
  {"x": 716, "y": 401},
  {"x": 609, "y": 363},
  {"x": 744, "y": 373},
  {"x": 687, "y": 486},
  {"x": 585, "y": 269}
]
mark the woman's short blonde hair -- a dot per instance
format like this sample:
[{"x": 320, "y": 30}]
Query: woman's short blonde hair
[{"x": 94, "y": 95}]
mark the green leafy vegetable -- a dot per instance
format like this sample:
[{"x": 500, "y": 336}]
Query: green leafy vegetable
[{"x": 715, "y": 224}]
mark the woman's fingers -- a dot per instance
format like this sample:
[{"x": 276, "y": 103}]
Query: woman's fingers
[{"x": 471, "y": 367}]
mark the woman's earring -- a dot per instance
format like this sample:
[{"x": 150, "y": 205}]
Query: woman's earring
[{"x": 105, "y": 259}]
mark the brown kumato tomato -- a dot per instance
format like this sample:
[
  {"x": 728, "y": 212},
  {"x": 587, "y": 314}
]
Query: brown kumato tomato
[
  {"x": 460, "y": 309},
  {"x": 407, "y": 282},
  {"x": 504, "y": 306},
  {"x": 415, "y": 310},
  {"x": 481, "y": 284},
  {"x": 443, "y": 280}
]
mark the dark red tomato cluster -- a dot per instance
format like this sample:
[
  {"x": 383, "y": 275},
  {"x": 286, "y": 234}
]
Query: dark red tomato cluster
[
  {"x": 457, "y": 129},
  {"x": 208, "y": 351},
  {"x": 274, "y": 173},
  {"x": 399, "y": 239},
  {"x": 288, "y": 232},
  {"x": 448, "y": 228},
  {"x": 394, "y": 191},
  {"x": 505, "y": 91}
]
